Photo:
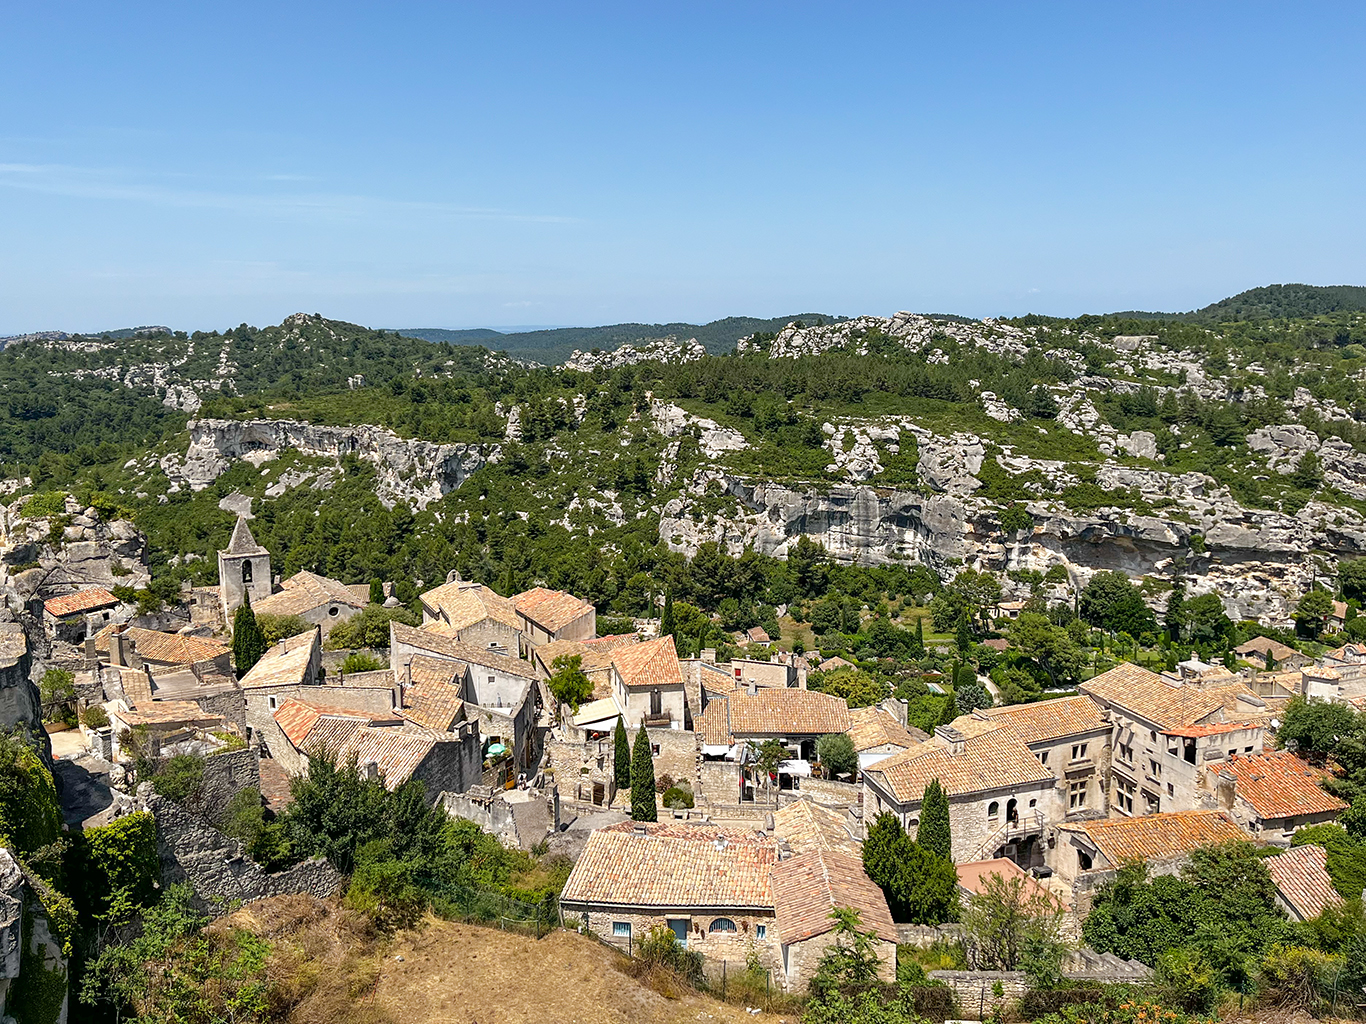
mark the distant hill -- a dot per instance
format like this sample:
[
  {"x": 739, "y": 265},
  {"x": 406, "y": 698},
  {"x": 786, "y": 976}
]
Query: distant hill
[
  {"x": 555, "y": 346},
  {"x": 1272, "y": 301}
]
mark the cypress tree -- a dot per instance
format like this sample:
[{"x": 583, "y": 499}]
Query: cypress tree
[
  {"x": 248, "y": 642},
  {"x": 666, "y": 619},
  {"x": 918, "y": 648},
  {"x": 933, "y": 832},
  {"x": 376, "y": 591},
  {"x": 643, "y": 806},
  {"x": 621, "y": 758}
]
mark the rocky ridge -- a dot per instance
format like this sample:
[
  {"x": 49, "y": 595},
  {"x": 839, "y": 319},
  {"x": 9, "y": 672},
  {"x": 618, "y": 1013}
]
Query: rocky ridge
[{"x": 414, "y": 472}]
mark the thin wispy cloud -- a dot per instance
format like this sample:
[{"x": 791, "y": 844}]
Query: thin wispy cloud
[{"x": 105, "y": 184}]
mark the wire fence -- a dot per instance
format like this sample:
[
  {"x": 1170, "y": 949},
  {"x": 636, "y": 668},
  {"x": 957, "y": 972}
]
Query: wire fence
[{"x": 476, "y": 905}]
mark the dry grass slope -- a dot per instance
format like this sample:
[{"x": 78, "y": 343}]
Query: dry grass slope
[{"x": 331, "y": 967}]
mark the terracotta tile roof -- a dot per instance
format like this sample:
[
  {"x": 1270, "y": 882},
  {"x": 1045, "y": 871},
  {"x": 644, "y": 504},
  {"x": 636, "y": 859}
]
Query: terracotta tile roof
[
  {"x": 673, "y": 865},
  {"x": 170, "y": 712},
  {"x": 1051, "y": 719},
  {"x": 830, "y": 664},
  {"x": 1143, "y": 694},
  {"x": 875, "y": 727},
  {"x": 972, "y": 877},
  {"x": 283, "y": 664},
  {"x": 713, "y": 724},
  {"x": 772, "y": 711},
  {"x": 168, "y": 648},
  {"x": 300, "y": 720},
  {"x": 275, "y": 785},
  {"x": 1264, "y": 645},
  {"x": 1156, "y": 836},
  {"x": 611, "y": 643},
  {"x": 305, "y": 591},
  {"x": 242, "y": 542},
  {"x": 757, "y": 635},
  {"x": 993, "y": 757},
  {"x": 807, "y": 826},
  {"x": 1280, "y": 785},
  {"x": 396, "y": 752},
  {"x": 433, "y": 705},
  {"x": 550, "y": 609},
  {"x": 82, "y": 601},
  {"x": 653, "y": 663},
  {"x": 1301, "y": 877},
  {"x": 422, "y": 670},
  {"x": 464, "y": 604},
  {"x": 806, "y": 888},
  {"x": 433, "y": 639}
]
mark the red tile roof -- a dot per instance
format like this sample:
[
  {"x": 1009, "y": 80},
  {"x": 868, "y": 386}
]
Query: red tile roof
[
  {"x": 653, "y": 663},
  {"x": 992, "y": 757},
  {"x": 1280, "y": 785},
  {"x": 397, "y": 753},
  {"x": 1301, "y": 877},
  {"x": 82, "y": 601},
  {"x": 807, "y": 887},
  {"x": 550, "y": 609},
  {"x": 298, "y": 720},
  {"x": 876, "y": 727},
  {"x": 305, "y": 591},
  {"x": 1051, "y": 719},
  {"x": 463, "y": 604},
  {"x": 1146, "y": 695},
  {"x": 1157, "y": 836},
  {"x": 772, "y": 711},
  {"x": 666, "y": 865},
  {"x": 806, "y": 826},
  {"x": 167, "y": 648}
]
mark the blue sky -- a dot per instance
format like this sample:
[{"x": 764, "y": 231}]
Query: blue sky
[{"x": 408, "y": 164}]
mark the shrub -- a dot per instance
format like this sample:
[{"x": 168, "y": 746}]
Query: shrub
[
  {"x": 30, "y": 813},
  {"x": 117, "y": 867},
  {"x": 180, "y": 778},
  {"x": 1292, "y": 975},
  {"x": 660, "y": 949},
  {"x": 360, "y": 662},
  {"x": 836, "y": 753},
  {"x": 41, "y": 506},
  {"x": 95, "y": 717},
  {"x": 277, "y": 627},
  {"x": 677, "y": 798}
]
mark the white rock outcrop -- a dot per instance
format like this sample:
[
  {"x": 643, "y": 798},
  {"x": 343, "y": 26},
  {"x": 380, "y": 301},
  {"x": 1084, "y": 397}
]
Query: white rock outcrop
[{"x": 414, "y": 472}]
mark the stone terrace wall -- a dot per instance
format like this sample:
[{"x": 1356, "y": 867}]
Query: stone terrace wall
[
  {"x": 193, "y": 851},
  {"x": 974, "y": 989}
]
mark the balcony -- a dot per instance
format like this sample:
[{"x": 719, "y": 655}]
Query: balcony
[{"x": 661, "y": 720}]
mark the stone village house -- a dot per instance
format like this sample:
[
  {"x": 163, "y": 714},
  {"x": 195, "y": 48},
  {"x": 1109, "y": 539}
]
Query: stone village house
[
  {"x": 728, "y": 893},
  {"x": 1001, "y": 798}
]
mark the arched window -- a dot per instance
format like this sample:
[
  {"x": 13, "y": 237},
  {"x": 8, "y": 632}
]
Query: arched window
[
  {"x": 722, "y": 924},
  {"x": 993, "y": 811},
  {"x": 246, "y": 571}
]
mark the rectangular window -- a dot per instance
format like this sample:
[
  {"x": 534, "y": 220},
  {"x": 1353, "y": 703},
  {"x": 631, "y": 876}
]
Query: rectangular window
[
  {"x": 1126, "y": 753},
  {"x": 1078, "y": 751},
  {"x": 1043, "y": 757},
  {"x": 274, "y": 703},
  {"x": 1124, "y": 795},
  {"x": 1076, "y": 795},
  {"x": 1154, "y": 768},
  {"x": 761, "y": 931},
  {"x": 1233, "y": 752},
  {"x": 621, "y": 929}
]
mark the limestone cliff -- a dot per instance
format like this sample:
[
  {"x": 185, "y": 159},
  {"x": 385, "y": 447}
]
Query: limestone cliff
[{"x": 415, "y": 472}]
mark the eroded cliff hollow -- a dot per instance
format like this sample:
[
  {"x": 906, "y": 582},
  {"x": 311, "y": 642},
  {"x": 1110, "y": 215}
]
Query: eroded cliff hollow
[{"x": 414, "y": 472}]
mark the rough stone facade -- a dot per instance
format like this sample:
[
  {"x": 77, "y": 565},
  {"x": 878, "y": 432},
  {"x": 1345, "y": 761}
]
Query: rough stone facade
[
  {"x": 33, "y": 968},
  {"x": 518, "y": 817},
  {"x": 801, "y": 960},
  {"x": 193, "y": 851},
  {"x": 731, "y": 947}
]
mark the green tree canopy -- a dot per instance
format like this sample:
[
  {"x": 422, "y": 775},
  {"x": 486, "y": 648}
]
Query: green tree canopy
[
  {"x": 568, "y": 682},
  {"x": 933, "y": 832},
  {"x": 248, "y": 642},
  {"x": 921, "y": 886},
  {"x": 836, "y": 753},
  {"x": 643, "y": 806},
  {"x": 1112, "y": 602}
]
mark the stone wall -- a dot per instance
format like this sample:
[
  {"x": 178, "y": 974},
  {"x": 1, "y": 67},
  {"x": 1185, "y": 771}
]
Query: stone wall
[
  {"x": 718, "y": 782},
  {"x": 975, "y": 990},
  {"x": 803, "y": 959},
  {"x": 676, "y": 755},
  {"x": 193, "y": 851},
  {"x": 259, "y": 712},
  {"x": 518, "y": 817},
  {"x": 825, "y": 792},
  {"x": 923, "y": 936},
  {"x": 732, "y": 948},
  {"x": 226, "y": 775}
]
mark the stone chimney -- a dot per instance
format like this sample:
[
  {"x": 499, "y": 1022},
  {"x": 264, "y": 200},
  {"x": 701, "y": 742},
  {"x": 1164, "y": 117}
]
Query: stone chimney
[
  {"x": 370, "y": 771},
  {"x": 954, "y": 740},
  {"x": 118, "y": 647}
]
